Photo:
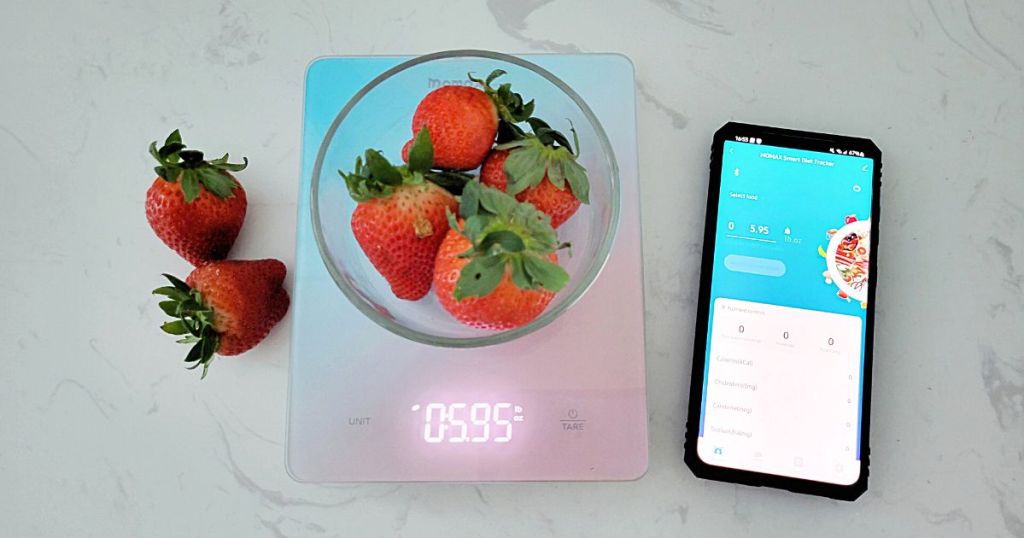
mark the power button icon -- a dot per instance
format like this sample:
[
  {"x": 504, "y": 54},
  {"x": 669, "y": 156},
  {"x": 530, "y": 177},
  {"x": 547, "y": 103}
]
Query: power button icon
[{"x": 573, "y": 422}]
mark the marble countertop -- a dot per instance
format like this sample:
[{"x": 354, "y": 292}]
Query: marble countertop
[{"x": 104, "y": 433}]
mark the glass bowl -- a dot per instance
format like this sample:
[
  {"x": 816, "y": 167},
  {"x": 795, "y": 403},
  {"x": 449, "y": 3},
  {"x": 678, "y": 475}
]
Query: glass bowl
[{"x": 379, "y": 116}]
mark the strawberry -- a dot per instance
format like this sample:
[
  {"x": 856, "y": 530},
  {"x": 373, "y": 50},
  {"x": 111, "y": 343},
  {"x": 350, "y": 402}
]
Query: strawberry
[
  {"x": 195, "y": 206},
  {"x": 497, "y": 268},
  {"x": 405, "y": 150},
  {"x": 559, "y": 204},
  {"x": 400, "y": 219},
  {"x": 464, "y": 121},
  {"x": 505, "y": 307},
  {"x": 224, "y": 307},
  {"x": 540, "y": 168}
]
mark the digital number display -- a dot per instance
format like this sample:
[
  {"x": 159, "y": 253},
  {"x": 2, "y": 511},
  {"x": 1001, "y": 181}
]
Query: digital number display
[{"x": 468, "y": 422}]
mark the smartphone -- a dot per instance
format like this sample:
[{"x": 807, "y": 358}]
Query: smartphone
[{"x": 781, "y": 387}]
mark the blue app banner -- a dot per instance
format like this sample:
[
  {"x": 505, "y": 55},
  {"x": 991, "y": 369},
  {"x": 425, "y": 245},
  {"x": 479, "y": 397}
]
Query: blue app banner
[{"x": 768, "y": 191}]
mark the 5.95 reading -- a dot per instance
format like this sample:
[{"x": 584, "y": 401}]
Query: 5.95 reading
[{"x": 463, "y": 422}]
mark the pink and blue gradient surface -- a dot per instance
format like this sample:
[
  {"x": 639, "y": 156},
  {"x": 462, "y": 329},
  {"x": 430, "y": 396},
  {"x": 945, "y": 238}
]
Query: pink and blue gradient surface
[{"x": 575, "y": 389}]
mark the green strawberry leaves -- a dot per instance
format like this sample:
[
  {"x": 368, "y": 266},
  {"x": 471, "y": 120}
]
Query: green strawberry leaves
[
  {"x": 381, "y": 171},
  {"x": 490, "y": 78},
  {"x": 548, "y": 273},
  {"x": 525, "y": 167},
  {"x": 189, "y": 187},
  {"x": 509, "y": 132},
  {"x": 496, "y": 202},
  {"x": 551, "y": 137},
  {"x": 421, "y": 153},
  {"x": 215, "y": 181},
  {"x": 375, "y": 177},
  {"x": 507, "y": 236},
  {"x": 451, "y": 181},
  {"x": 479, "y": 277},
  {"x": 361, "y": 185},
  {"x": 545, "y": 152},
  {"x": 187, "y": 166},
  {"x": 194, "y": 322},
  {"x": 176, "y": 328},
  {"x": 223, "y": 164},
  {"x": 576, "y": 176},
  {"x": 469, "y": 203},
  {"x": 170, "y": 148},
  {"x": 509, "y": 104}
]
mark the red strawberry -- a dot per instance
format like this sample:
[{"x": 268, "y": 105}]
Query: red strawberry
[
  {"x": 505, "y": 307},
  {"x": 540, "y": 169},
  {"x": 405, "y": 150},
  {"x": 401, "y": 219},
  {"x": 497, "y": 269},
  {"x": 463, "y": 121},
  {"x": 400, "y": 235},
  {"x": 225, "y": 307},
  {"x": 559, "y": 204},
  {"x": 195, "y": 206}
]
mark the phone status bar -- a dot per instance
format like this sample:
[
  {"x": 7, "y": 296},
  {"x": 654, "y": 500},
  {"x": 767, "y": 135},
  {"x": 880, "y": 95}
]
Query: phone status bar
[{"x": 833, "y": 150}]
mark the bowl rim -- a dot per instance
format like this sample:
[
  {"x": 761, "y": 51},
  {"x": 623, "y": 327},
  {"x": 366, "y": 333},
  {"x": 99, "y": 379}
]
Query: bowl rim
[{"x": 363, "y": 303}]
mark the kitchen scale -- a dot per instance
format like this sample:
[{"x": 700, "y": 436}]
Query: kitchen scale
[{"x": 566, "y": 402}]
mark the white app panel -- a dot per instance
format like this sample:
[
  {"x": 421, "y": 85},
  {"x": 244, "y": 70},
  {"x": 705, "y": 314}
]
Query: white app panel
[{"x": 783, "y": 391}]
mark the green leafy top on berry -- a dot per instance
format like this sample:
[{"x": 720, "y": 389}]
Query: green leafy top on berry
[
  {"x": 375, "y": 177},
  {"x": 189, "y": 167},
  {"x": 507, "y": 235},
  {"x": 545, "y": 152},
  {"x": 510, "y": 105},
  {"x": 194, "y": 322}
]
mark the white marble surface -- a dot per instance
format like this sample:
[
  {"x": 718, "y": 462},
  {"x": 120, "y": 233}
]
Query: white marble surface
[{"x": 104, "y": 434}]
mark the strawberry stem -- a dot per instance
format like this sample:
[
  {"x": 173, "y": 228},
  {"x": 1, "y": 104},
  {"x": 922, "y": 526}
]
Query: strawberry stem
[
  {"x": 451, "y": 181},
  {"x": 507, "y": 236},
  {"x": 375, "y": 177},
  {"x": 189, "y": 167},
  {"x": 546, "y": 153},
  {"x": 510, "y": 105},
  {"x": 193, "y": 322}
]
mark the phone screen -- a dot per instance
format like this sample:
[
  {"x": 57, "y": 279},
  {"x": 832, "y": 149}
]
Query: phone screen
[{"x": 788, "y": 313}]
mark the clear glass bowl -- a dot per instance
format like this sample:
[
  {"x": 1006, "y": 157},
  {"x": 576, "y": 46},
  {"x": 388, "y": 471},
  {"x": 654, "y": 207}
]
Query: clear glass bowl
[{"x": 379, "y": 116}]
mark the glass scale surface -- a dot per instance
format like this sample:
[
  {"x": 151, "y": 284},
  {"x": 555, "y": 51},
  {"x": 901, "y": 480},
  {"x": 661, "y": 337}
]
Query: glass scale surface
[{"x": 564, "y": 403}]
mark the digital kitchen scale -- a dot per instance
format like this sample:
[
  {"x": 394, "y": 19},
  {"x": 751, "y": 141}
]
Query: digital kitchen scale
[{"x": 566, "y": 402}]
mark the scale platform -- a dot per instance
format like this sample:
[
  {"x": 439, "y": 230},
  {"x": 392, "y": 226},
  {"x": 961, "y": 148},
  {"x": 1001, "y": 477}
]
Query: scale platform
[{"x": 564, "y": 403}]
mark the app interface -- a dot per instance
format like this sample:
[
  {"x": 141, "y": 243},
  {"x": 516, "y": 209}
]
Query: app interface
[{"x": 783, "y": 369}]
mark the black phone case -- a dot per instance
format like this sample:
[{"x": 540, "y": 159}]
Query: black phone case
[{"x": 800, "y": 140}]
